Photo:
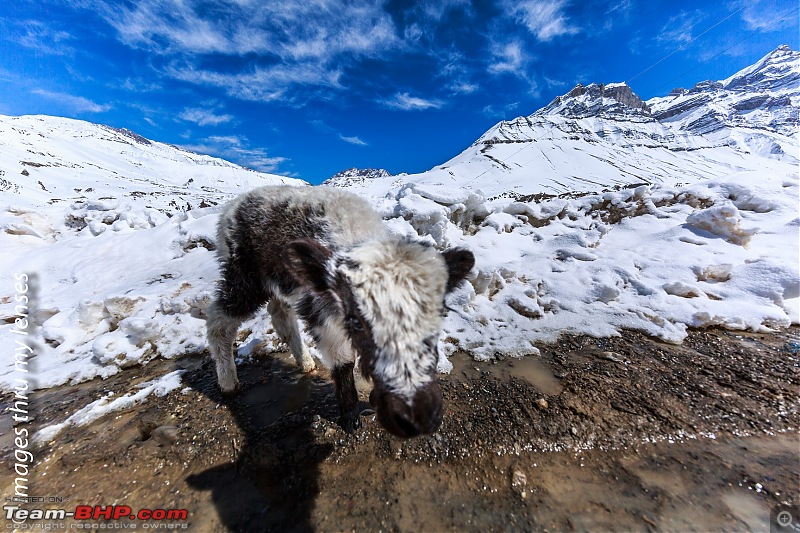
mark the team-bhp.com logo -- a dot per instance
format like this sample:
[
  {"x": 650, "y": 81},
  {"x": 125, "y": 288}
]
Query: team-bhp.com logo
[{"x": 97, "y": 512}]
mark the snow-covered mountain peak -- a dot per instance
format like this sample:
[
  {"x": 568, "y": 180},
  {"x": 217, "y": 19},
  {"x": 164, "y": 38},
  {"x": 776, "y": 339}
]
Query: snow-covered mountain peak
[
  {"x": 614, "y": 101},
  {"x": 353, "y": 176},
  {"x": 755, "y": 110},
  {"x": 778, "y": 71}
]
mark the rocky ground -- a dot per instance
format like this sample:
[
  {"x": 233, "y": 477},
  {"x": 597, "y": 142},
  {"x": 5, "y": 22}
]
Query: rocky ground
[{"x": 626, "y": 433}]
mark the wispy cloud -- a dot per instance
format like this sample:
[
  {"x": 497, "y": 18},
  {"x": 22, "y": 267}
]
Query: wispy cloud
[
  {"x": 237, "y": 148},
  {"x": 78, "y": 104},
  {"x": 508, "y": 58},
  {"x": 462, "y": 87},
  {"x": 679, "y": 29},
  {"x": 545, "y": 19},
  {"x": 140, "y": 85},
  {"x": 406, "y": 102},
  {"x": 322, "y": 126},
  {"x": 43, "y": 38},
  {"x": 765, "y": 15},
  {"x": 298, "y": 43},
  {"x": 203, "y": 117},
  {"x": 500, "y": 111},
  {"x": 263, "y": 84},
  {"x": 353, "y": 140}
]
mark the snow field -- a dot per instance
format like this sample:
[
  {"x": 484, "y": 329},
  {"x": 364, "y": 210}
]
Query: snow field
[{"x": 120, "y": 283}]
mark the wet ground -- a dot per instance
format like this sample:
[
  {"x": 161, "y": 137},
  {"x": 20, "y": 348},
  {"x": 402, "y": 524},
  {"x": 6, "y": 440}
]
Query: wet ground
[{"x": 625, "y": 433}]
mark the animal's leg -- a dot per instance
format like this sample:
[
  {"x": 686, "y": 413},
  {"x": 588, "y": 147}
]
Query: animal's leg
[
  {"x": 284, "y": 319},
  {"x": 337, "y": 354},
  {"x": 221, "y": 330},
  {"x": 239, "y": 295},
  {"x": 347, "y": 396}
]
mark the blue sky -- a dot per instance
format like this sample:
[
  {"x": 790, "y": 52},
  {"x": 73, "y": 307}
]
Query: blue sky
[{"x": 307, "y": 88}]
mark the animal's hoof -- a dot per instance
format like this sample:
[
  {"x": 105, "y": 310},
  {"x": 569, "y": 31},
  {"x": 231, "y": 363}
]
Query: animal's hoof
[
  {"x": 307, "y": 364},
  {"x": 350, "y": 422},
  {"x": 230, "y": 387}
]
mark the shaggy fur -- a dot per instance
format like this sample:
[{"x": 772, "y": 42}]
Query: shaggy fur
[{"x": 324, "y": 255}]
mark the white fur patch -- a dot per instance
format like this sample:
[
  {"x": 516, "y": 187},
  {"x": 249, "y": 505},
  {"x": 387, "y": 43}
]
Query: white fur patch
[
  {"x": 350, "y": 218},
  {"x": 399, "y": 287}
]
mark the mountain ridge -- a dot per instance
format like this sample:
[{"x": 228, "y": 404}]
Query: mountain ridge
[
  {"x": 46, "y": 159},
  {"x": 602, "y": 136}
]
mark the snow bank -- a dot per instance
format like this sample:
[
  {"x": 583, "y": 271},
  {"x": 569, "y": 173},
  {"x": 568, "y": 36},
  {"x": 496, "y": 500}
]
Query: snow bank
[{"x": 120, "y": 283}]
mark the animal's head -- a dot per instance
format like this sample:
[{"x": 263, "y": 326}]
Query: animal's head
[{"x": 390, "y": 297}]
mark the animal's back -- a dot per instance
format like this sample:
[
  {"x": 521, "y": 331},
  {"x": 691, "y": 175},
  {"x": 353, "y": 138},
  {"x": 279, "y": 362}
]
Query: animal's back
[{"x": 273, "y": 216}]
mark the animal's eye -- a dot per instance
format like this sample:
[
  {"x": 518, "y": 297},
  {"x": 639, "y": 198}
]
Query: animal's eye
[{"x": 354, "y": 323}]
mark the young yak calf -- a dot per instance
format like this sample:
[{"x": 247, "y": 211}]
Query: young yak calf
[{"x": 324, "y": 255}]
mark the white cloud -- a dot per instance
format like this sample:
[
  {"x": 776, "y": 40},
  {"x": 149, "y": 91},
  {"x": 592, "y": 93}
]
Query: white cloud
[
  {"x": 263, "y": 84},
  {"x": 140, "y": 85},
  {"x": 43, "y": 38},
  {"x": 322, "y": 126},
  {"x": 765, "y": 15},
  {"x": 462, "y": 87},
  {"x": 353, "y": 140},
  {"x": 298, "y": 43},
  {"x": 406, "y": 102},
  {"x": 203, "y": 117},
  {"x": 77, "y": 104},
  {"x": 544, "y": 18},
  {"x": 500, "y": 112},
  {"x": 237, "y": 148},
  {"x": 508, "y": 58}
]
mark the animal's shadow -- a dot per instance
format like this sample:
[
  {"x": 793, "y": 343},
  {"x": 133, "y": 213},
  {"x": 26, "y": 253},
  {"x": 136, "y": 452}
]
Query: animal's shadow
[{"x": 273, "y": 482}]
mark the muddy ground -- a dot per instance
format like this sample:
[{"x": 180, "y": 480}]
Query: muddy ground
[{"x": 625, "y": 433}]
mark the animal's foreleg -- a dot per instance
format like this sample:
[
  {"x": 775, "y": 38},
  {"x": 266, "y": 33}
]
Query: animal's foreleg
[
  {"x": 347, "y": 396},
  {"x": 221, "y": 332}
]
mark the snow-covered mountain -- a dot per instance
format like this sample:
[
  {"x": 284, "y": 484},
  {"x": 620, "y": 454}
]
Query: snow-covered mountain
[
  {"x": 755, "y": 110},
  {"x": 51, "y": 159},
  {"x": 604, "y": 136}
]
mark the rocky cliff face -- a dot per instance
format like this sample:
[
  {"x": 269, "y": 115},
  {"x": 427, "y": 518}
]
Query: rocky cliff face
[{"x": 615, "y": 100}]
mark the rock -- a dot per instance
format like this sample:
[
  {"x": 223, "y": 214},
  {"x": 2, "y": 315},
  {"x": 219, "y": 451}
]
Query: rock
[
  {"x": 165, "y": 435},
  {"x": 542, "y": 404},
  {"x": 519, "y": 483}
]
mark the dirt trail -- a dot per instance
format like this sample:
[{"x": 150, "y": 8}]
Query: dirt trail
[{"x": 625, "y": 433}]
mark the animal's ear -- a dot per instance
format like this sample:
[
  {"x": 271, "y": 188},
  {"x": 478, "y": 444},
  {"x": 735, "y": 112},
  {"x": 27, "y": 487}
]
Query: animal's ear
[
  {"x": 306, "y": 259},
  {"x": 459, "y": 263}
]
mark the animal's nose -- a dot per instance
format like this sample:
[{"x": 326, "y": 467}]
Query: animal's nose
[
  {"x": 405, "y": 424},
  {"x": 422, "y": 416}
]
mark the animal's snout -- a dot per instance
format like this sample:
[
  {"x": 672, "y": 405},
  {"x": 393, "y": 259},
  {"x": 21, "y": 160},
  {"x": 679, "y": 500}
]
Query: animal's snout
[{"x": 423, "y": 415}]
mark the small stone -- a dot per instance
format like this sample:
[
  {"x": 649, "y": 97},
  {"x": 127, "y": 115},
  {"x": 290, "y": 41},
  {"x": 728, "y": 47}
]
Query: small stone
[
  {"x": 165, "y": 435},
  {"x": 519, "y": 482},
  {"x": 542, "y": 404}
]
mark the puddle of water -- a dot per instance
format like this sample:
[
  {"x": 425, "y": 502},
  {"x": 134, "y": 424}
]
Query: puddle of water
[
  {"x": 748, "y": 509},
  {"x": 276, "y": 387},
  {"x": 531, "y": 369}
]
